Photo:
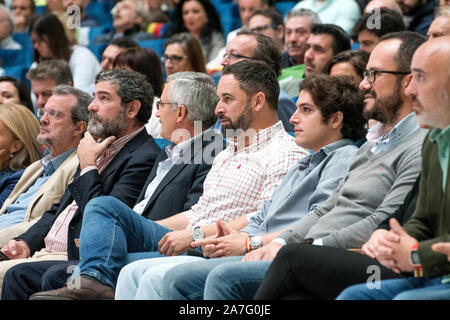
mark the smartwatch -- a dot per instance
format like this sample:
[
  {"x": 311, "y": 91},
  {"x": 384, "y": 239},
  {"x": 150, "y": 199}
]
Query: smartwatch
[{"x": 197, "y": 234}]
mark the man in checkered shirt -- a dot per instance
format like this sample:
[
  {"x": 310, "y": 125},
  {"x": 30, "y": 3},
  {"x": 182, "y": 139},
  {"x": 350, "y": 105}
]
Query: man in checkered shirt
[{"x": 241, "y": 178}]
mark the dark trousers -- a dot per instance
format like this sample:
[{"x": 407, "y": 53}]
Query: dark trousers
[
  {"x": 24, "y": 279},
  {"x": 309, "y": 272}
]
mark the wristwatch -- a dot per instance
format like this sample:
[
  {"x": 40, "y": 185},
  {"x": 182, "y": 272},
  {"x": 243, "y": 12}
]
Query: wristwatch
[
  {"x": 414, "y": 255},
  {"x": 197, "y": 234},
  {"x": 415, "y": 260},
  {"x": 256, "y": 242}
]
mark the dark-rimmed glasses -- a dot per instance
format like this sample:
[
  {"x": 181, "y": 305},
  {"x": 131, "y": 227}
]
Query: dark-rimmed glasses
[
  {"x": 372, "y": 74},
  {"x": 174, "y": 59}
]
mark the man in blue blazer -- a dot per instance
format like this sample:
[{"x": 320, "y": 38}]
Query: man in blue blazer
[{"x": 172, "y": 186}]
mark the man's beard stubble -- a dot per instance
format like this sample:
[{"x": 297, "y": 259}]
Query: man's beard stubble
[
  {"x": 385, "y": 109},
  {"x": 102, "y": 129},
  {"x": 241, "y": 124}
]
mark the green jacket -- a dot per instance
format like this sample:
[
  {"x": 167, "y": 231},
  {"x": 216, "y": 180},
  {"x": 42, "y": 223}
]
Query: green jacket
[{"x": 430, "y": 222}]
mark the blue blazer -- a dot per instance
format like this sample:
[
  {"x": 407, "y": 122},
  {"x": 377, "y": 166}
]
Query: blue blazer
[
  {"x": 123, "y": 179},
  {"x": 7, "y": 185}
]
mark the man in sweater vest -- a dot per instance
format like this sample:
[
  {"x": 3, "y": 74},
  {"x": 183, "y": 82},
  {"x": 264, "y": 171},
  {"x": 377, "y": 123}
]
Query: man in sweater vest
[{"x": 382, "y": 173}]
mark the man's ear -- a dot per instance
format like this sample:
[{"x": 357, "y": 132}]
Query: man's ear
[
  {"x": 405, "y": 81},
  {"x": 133, "y": 108},
  {"x": 80, "y": 128},
  {"x": 258, "y": 101},
  {"x": 337, "y": 119},
  {"x": 182, "y": 113}
]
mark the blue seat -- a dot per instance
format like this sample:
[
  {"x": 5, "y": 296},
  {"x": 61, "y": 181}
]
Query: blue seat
[
  {"x": 23, "y": 39},
  {"x": 9, "y": 58},
  {"x": 162, "y": 143},
  {"x": 18, "y": 72},
  {"x": 97, "y": 31},
  {"x": 156, "y": 45},
  {"x": 97, "y": 50},
  {"x": 294, "y": 99},
  {"x": 355, "y": 46},
  {"x": 100, "y": 11},
  {"x": 284, "y": 6}
]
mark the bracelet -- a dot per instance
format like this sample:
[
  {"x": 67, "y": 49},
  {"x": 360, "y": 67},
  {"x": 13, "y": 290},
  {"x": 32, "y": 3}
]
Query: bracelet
[{"x": 248, "y": 246}]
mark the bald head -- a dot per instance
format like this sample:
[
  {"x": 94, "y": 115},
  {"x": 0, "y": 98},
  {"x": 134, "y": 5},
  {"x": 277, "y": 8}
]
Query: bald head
[
  {"x": 430, "y": 84},
  {"x": 439, "y": 27}
]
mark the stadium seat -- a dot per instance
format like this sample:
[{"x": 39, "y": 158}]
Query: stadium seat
[
  {"x": 284, "y": 6},
  {"x": 97, "y": 31},
  {"x": 23, "y": 38},
  {"x": 97, "y": 50},
  {"x": 156, "y": 45},
  {"x": 10, "y": 58},
  {"x": 18, "y": 72},
  {"x": 162, "y": 143}
]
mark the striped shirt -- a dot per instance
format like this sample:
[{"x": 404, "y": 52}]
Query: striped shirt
[
  {"x": 56, "y": 239},
  {"x": 240, "y": 180}
]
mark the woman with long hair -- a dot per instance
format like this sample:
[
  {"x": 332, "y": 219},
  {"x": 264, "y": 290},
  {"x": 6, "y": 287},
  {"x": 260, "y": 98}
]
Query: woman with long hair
[
  {"x": 18, "y": 145},
  {"x": 50, "y": 41},
  {"x": 200, "y": 19}
]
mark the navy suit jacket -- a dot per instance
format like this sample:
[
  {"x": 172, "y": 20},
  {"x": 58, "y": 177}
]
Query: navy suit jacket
[
  {"x": 182, "y": 186},
  {"x": 123, "y": 179}
]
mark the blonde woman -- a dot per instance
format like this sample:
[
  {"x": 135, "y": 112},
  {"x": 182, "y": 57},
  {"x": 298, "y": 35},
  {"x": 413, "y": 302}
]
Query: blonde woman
[{"x": 18, "y": 145}]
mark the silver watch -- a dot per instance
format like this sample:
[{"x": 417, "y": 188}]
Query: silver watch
[
  {"x": 197, "y": 234},
  {"x": 256, "y": 242}
]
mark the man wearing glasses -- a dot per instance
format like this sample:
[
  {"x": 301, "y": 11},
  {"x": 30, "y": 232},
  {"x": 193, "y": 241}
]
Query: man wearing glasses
[
  {"x": 270, "y": 23},
  {"x": 381, "y": 174},
  {"x": 62, "y": 124}
]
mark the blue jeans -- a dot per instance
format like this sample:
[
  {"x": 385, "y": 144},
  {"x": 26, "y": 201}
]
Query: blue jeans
[
  {"x": 217, "y": 279},
  {"x": 110, "y": 231},
  {"x": 399, "y": 289}
]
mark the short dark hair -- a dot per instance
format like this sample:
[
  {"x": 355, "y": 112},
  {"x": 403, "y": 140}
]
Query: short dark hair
[
  {"x": 265, "y": 51},
  {"x": 357, "y": 58},
  {"x": 256, "y": 76},
  {"x": 145, "y": 61},
  {"x": 334, "y": 94},
  {"x": 22, "y": 90},
  {"x": 410, "y": 42},
  {"x": 275, "y": 17},
  {"x": 124, "y": 42},
  {"x": 131, "y": 85},
  {"x": 390, "y": 21},
  {"x": 341, "y": 41}
]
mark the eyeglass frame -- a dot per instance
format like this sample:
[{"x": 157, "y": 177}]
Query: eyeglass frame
[
  {"x": 366, "y": 74},
  {"x": 177, "y": 59},
  {"x": 52, "y": 113},
  {"x": 264, "y": 27},
  {"x": 237, "y": 56},
  {"x": 159, "y": 103}
]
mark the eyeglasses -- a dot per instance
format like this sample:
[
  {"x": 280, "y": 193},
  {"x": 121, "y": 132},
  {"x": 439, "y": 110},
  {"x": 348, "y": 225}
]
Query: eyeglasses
[
  {"x": 159, "y": 103},
  {"x": 235, "y": 56},
  {"x": 372, "y": 74},
  {"x": 173, "y": 59},
  {"x": 263, "y": 28},
  {"x": 51, "y": 113}
]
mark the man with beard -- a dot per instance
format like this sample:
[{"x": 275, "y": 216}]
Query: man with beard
[
  {"x": 380, "y": 176},
  {"x": 324, "y": 42},
  {"x": 241, "y": 178},
  {"x": 418, "y": 14},
  {"x": 63, "y": 122},
  {"x": 116, "y": 165}
]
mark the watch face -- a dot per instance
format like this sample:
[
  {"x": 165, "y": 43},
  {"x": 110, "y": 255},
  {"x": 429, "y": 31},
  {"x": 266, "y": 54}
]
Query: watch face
[
  {"x": 415, "y": 257},
  {"x": 255, "y": 242},
  {"x": 198, "y": 234}
]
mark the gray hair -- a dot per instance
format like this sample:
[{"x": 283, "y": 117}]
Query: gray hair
[
  {"x": 313, "y": 17},
  {"x": 442, "y": 11},
  {"x": 197, "y": 92},
  {"x": 131, "y": 86},
  {"x": 57, "y": 70},
  {"x": 80, "y": 111},
  {"x": 10, "y": 18}
]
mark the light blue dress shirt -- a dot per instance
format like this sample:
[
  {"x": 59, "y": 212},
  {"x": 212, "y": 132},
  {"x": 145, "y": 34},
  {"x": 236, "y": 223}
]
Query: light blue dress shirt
[
  {"x": 305, "y": 185},
  {"x": 15, "y": 212}
]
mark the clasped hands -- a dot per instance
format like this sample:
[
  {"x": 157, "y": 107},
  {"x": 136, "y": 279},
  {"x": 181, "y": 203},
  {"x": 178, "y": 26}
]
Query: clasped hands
[{"x": 391, "y": 248}]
